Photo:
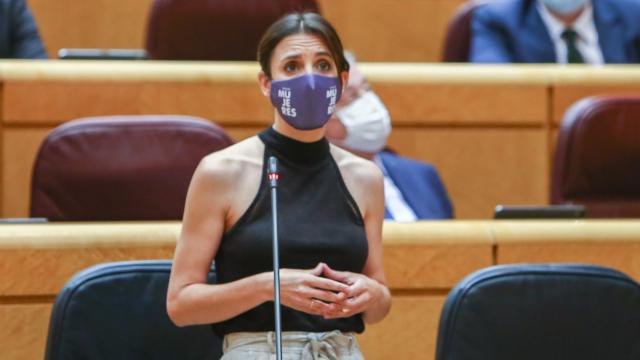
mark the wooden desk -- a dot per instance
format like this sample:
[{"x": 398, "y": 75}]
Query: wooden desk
[
  {"x": 423, "y": 261},
  {"x": 489, "y": 130},
  {"x": 614, "y": 244}
]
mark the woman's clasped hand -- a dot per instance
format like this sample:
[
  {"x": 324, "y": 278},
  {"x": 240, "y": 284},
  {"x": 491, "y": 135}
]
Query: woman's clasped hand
[{"x": 327, "y": 292}]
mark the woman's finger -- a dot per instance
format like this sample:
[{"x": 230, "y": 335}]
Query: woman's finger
[
  {"x": 327, "y": 284},
  {"x": 341, "y": 276},
  {"x": 317, "y": 271},
  {"x": 350, "y": 306},
  {"x": 357, "y": 288},
  {"x": 355, "y": 305},
  {"x": 327, "y": 296},
  {"x": 317, "y": 307}
]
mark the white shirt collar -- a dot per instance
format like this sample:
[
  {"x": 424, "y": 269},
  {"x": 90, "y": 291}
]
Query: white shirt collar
[
  {"x": 583, "y": 25},
  {"x": 587, "y": 42}
]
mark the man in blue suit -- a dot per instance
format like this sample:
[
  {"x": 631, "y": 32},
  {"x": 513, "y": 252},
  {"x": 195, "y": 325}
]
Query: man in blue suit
[
  {"x": 19, "y": 38},
  {"x": 556, "y": 31},
  {"x": 413, "y": 189}
]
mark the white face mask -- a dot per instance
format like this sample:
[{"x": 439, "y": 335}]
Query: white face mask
[
  {"x": 367, "y": 123},
  {"x": 564, "y": 7}
]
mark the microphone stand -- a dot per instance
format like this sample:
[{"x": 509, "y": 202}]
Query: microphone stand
[{"x": 273, "y": 182}]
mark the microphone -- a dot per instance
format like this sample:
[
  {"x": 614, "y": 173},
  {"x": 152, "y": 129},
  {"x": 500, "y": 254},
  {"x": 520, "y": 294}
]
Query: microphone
[{"x": 274, "y": 176}]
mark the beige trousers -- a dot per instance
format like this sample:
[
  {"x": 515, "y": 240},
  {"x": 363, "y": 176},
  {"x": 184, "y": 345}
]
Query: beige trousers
[{"x": 333, "y": 345}]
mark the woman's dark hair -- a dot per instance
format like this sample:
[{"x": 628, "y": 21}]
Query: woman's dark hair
[{"x": 301, "y": 23}]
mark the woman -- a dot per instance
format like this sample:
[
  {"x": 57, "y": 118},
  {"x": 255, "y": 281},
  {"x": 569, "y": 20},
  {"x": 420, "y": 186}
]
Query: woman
[{"x": 330, "y": 206}]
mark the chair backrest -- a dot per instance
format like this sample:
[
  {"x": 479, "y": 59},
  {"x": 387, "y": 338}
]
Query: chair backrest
[
  {"x": 120, "y": 167},
  {"x": 552, "y": 311},
  {"x": 457, "y": 42},
  {"x": 213, "y": 29},
  {"x": 118, "y": 311},
  {"x": 597, "y": 159}
]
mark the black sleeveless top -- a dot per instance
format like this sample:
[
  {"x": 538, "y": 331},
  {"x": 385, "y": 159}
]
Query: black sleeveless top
[{"x": 318, "y": 221}]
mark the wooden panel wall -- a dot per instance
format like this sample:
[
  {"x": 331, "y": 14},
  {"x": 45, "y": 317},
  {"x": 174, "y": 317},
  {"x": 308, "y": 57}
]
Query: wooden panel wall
[
  {"x": 482, "y": 166},
  {"x": 564, "y": 95},
  {"x": 375, "y": 30},
  {"x": 490, "y": 130},
  {"x": 91, "y": 23},
  {"x": 446, "y": 123},
  {"x": 578, "y": 242},
  {"x": 20, "y": 146},
  {"x": 391, "y": 30},
  {"x": 24, "y": 329}
]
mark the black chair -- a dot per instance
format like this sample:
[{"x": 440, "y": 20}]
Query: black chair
[
  {"x": 118, "y": 311},
  {"x": 541, "y": 312}
]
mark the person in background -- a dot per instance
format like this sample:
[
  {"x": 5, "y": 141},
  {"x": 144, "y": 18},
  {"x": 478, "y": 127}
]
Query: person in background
[
  {"x": 19, "y": 37},
  {"x": 556, "y": 31},
  {"x": 412, "y": 189}
]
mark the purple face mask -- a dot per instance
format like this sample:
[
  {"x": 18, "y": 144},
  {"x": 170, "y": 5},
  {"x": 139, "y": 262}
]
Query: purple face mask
[{"x": 306, "y": 102}]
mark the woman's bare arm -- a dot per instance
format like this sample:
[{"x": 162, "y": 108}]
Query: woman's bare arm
[{"x": 368, "y": 292}]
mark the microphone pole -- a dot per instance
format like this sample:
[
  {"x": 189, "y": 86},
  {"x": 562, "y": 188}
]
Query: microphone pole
[{"x": 273, "y": 182}]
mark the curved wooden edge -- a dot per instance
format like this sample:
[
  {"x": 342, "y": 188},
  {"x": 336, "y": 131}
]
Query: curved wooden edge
[
  {"x": 383, "y": 72},
  {"x": 427, "y": 256},
  {"x": 89, "y": 235},
  {"x": 439, "y": 232},
  {"x": 553, "y": 231},
  {"x": 160, "y": 233}
]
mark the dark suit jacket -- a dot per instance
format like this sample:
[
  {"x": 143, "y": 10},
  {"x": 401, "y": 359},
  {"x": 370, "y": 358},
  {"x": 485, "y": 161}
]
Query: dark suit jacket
[
  {"x": 420, "y": 186},
  {"x": 512, "y": 31},
  {"x": 19, "y": 36}
]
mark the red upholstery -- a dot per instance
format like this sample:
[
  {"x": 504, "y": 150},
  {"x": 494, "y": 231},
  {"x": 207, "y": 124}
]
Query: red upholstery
[
  {"x": 120, "y": 167},
  {"x": 213, "y": 29},
  {"x": 457, "y": 41},
  {"x": 597, "y": 160}
]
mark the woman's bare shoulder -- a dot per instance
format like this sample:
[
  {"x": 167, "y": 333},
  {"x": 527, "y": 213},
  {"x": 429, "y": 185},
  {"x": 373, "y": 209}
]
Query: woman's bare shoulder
[
  {"x": 355, "y": 167},
  {"x": 364, "y": 181},
  {"x": 235, "y": 159}
]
